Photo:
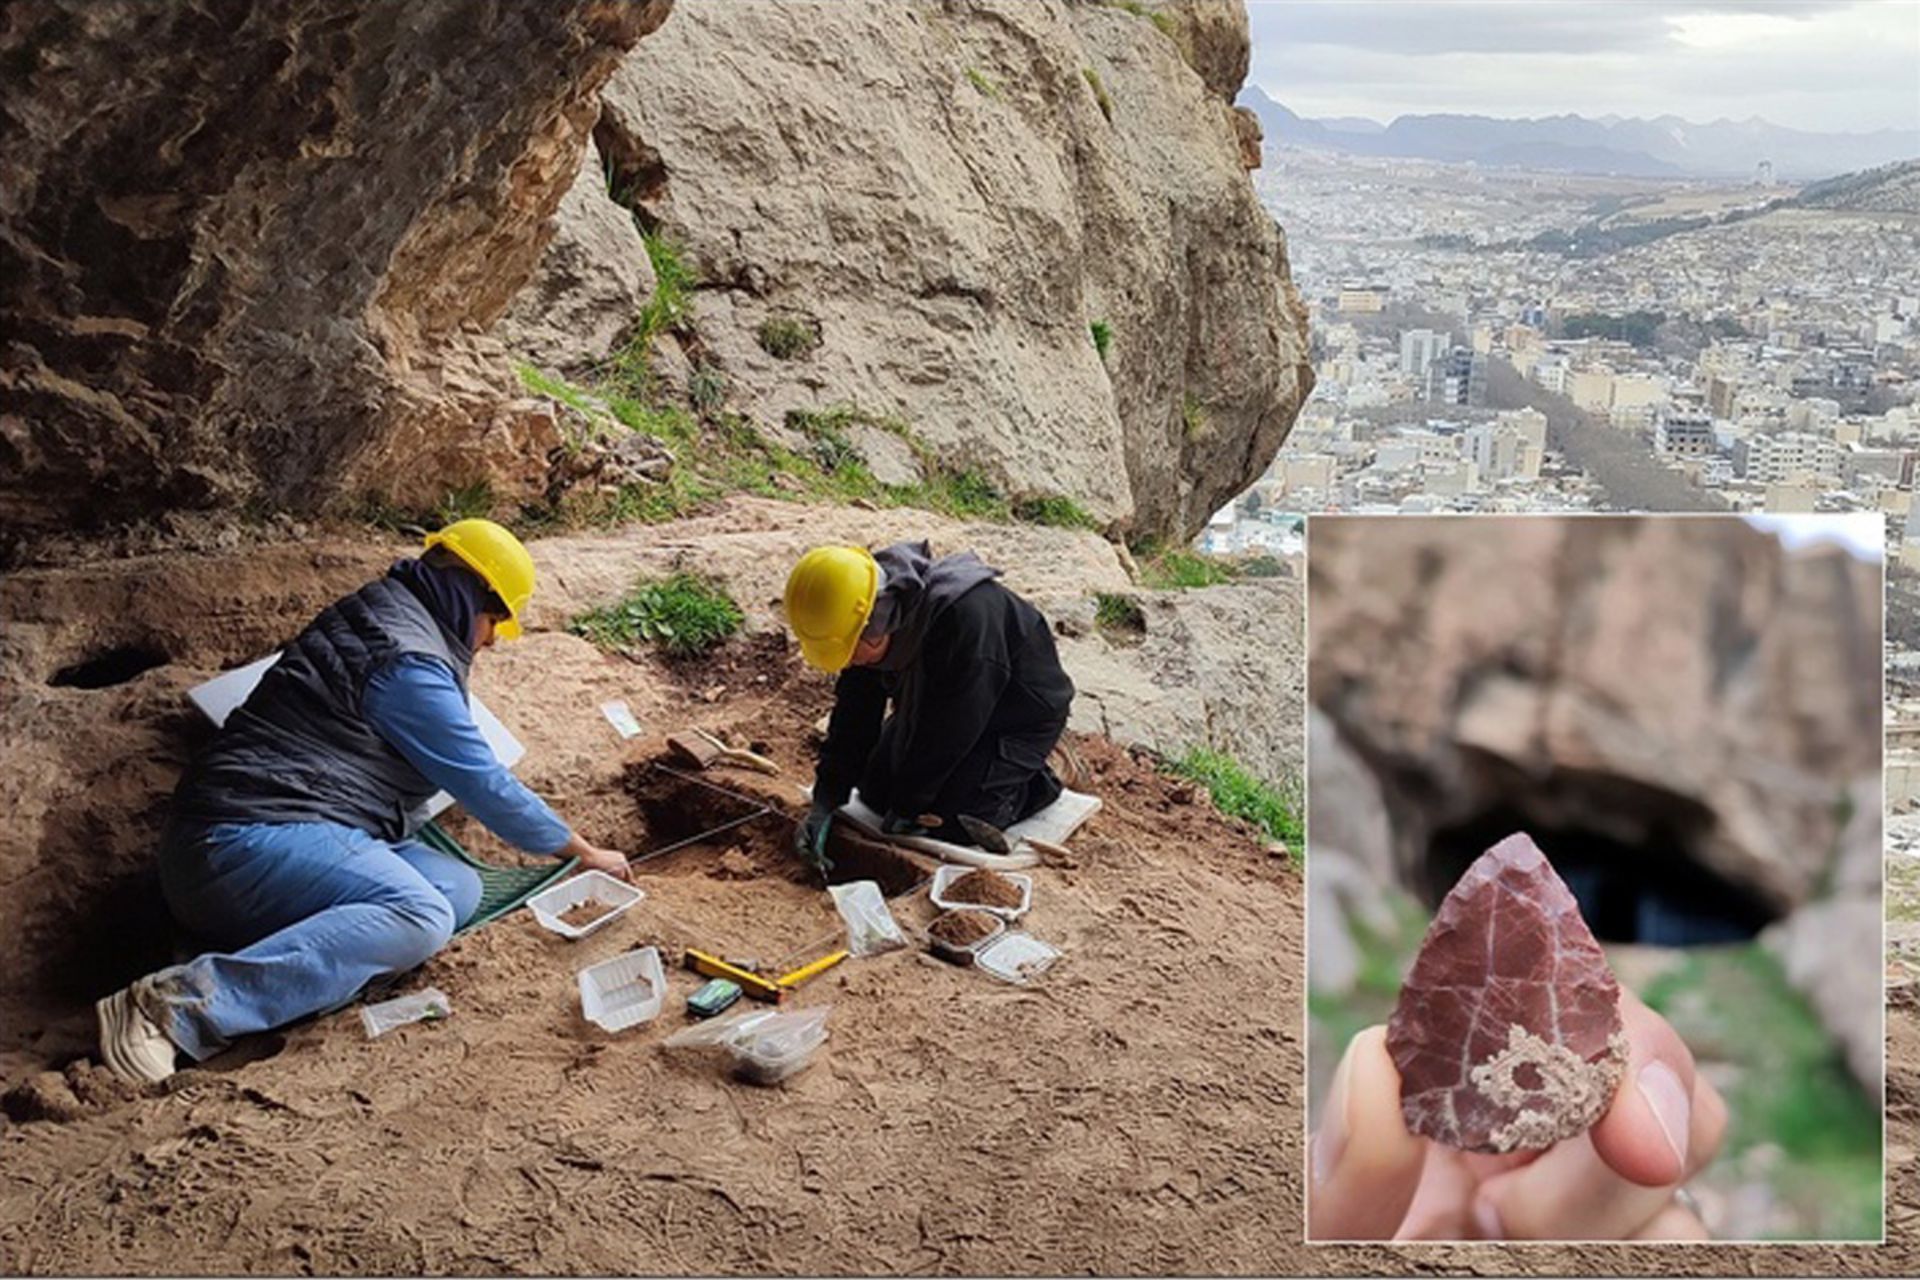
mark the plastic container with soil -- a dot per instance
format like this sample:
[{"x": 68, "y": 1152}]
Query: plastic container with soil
[
  {"x": 567, "y": 908},
  {"x": 958, "y": 936},
  {"x": 624, "y": 991},
  {"x": 1007, "y": 894}
]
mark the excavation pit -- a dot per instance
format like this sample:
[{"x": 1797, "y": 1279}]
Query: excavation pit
[{"x": 691, "y": 825}]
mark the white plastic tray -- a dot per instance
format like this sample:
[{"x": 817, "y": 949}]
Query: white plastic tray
[
  {"x": 550, "y": 904},
  {"x": 624, "y": 991},
  {"x": 949, "y": 872},
  {"x": 1015, "y": 957}
]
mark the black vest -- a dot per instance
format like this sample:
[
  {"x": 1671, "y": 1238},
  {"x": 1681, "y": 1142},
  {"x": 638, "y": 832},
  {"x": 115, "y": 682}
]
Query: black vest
[{"x": 299, "y": 749}]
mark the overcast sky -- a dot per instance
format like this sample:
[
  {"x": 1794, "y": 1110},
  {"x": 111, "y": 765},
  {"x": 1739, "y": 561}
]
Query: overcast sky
[{"x": 1824, "y": 65}]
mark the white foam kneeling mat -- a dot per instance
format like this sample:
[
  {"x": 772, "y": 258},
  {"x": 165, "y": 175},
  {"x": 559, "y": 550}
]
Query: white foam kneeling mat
[{"x": 1054, "y": 824}]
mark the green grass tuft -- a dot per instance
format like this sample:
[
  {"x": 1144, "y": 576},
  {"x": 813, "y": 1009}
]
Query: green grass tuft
[
  {"x": 1119, "y": 613},
  {"x": 1178, "y": 568},
  {"x": 787, "y": 338},
  {"x": 1100, "y": 95},
  {"x": 967, "y": 494},
  {"x": 685, "y": 615},
  {"x": 667, "y": 308},
  {"x": 465, "y": 502},
  {"x": 707, "y": 388},
  {"x": 1238, "y": 793},
  {"x": 1102, "y": 337},
  {"x": 1056, "y": 511},
  {"x": 1193, "y": 416}
]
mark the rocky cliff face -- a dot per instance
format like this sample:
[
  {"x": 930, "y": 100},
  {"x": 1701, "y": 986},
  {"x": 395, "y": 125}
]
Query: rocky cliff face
[
  {"x": 262, "y": 254},
  {"x": 250, "y": 251},
  {"x": 1677, "y": 685},
  {"x": 947, "y": 215}
]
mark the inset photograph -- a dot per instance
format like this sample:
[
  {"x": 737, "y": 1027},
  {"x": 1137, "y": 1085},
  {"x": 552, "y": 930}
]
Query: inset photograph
[{"x": 1595, "y": 930}]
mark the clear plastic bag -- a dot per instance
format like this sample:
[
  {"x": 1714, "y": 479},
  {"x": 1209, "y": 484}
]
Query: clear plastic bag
[
  {"x": 764, "y": 1046},
  {"x": 429, "y": 1005},
  {"x": 870, "y": 926}
]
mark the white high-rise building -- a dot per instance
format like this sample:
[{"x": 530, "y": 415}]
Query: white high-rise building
[{"x": 1419, "y": 348}]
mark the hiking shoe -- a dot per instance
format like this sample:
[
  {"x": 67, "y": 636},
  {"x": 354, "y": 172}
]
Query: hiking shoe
[{"x": 132, "y": 1044}]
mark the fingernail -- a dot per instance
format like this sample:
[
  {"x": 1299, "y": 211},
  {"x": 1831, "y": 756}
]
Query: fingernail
[
  {"x": 1486, "y": 1221},
  {"x": 1331, "y": 1142},
  {"x": 1661, "y": 1087}
]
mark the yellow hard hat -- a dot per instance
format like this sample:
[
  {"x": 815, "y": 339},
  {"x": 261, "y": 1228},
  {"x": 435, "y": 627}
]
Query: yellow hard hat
[
  {"x": 830, "y": 595},
  {"x": 499, "y": 558}
]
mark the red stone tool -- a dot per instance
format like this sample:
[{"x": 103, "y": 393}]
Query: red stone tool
[{"x": 1507, "y": 1033}]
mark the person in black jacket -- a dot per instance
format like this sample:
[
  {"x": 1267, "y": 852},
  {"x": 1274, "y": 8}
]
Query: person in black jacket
[{"x": 977, "y": 694}]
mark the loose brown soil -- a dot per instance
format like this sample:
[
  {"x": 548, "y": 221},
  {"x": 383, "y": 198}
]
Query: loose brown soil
[
  {"x": 963, "y": 928},
  {"x": 984, "y": 888},
  {"x": 1137, "y": 1111},
  {"x": 582, "y": 914}
]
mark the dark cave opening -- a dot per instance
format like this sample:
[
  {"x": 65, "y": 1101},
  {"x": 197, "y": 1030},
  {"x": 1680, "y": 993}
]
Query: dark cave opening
[
  {"x": 1652, "y": 890},
  {"x": 111, "y": 667}
]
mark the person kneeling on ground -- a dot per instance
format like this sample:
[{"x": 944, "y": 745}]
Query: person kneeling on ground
[
  {"x": 979, "y": 696},
  {"x": 289, "y": 842}
]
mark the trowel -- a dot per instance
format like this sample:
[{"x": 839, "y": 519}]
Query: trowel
[
  {"x": 994, "y": 840},
  {"x": 704, "y": 750}
]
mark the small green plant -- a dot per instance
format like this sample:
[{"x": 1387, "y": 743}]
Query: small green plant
[
  {"x": 787, "y": 337},
  {"x": 1102, "y": 337},
  {"x": 1178, "y": 568},
  {"x": 1194, "y": 416},
  {"x": 1055, "y": 510},
  {"x": 1100, "y": 94},
  {"x": 1113, "y": 612},
  {"x": 465, "y": 502},
  {"x": 1138, "y": 10},
  {"x": 963, "y": 493},
  {"x": 835, "y": 453},
  {"x": 707, "y": 388},
  {"x": 684, "y": 615},
  {"x": 1238, "y": 793},
  {"x": 673, "y": 284},
  {"x": 1263, "y": 566},
  {"x": 556, "y": 388},
  {"x": 979, "y": 81},
  {"x": 667, "y": 308}
]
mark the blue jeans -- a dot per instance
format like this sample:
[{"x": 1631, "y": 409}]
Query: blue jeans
[{"x": 306, "y": 913}]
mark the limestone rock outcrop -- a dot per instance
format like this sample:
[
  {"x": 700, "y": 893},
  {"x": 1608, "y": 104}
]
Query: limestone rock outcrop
[
  {"x": 249, "y": 251},
  {"x": 590, "y": 284},
  {"x": 954, "y": 207},
  {"x": 1686, "y": 684}
]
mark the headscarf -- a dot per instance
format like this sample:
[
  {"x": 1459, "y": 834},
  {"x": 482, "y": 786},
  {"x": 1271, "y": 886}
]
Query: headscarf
[
  {"x": 914, "y": 589},
  {"x": 454, "y": 594}
]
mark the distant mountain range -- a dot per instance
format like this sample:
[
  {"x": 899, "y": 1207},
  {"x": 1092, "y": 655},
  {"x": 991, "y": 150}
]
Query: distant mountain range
[{"x": 1664, "y": 147}]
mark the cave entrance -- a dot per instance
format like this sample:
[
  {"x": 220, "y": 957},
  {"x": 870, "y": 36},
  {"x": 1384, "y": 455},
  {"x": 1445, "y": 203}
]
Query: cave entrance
[
  {"x": 109, "y": 667},
  {"x": 1649, "y": 889}
]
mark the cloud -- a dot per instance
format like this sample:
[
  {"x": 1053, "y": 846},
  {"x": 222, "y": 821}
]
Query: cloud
[{"x": 1814, "y": 64}]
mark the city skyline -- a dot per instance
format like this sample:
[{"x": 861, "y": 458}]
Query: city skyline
[{"x": 1815, "y": 65}]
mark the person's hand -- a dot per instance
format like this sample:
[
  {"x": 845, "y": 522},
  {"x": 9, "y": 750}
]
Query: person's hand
[
  {"x": 897, "y": 824},
  {"x": 594, "y": 858},
  {"x": 1370, "y": 1179},
  {"x": 611, "y": 861},
  {"x": 810, "y": 837}
]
